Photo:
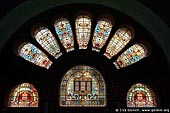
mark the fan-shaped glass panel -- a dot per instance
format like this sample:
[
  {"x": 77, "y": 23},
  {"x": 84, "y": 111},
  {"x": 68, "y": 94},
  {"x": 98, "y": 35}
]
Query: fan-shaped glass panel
[
  {"x": 121, "y": 37},
  {"x": 65, "y": 34},
  {"x": 140, "y": 95},
  {"x": 83, "y": 30},
  {"x": 23, "y": 95},
  {"x": 34, "y": 55},
  {"x": 132, "y": 55},
  {"x": 46, "y": 39},
  {"x": 101, "y": 33}
]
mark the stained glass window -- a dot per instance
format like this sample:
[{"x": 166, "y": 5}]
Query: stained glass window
[
  {"x": 34, "y": 55},
  {"x": 83, "y": 30},
  {"x": 65, "y": 34},
  {"x": 101, "y": 33},
  {"x": 121, "y": 37},
  {"x": 131, "y": 55},
  {"x": 82, "y": 86},
  {"x": 140, "y": 95},
  {"x": 46, "y": 39},
  {"x": 23, "y": 95}
]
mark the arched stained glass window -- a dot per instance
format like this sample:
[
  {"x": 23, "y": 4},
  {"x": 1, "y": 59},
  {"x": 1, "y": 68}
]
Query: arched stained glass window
[
  {"x": 101, "y": 33},
  {"x": 82, "y": 86},
  {"x": 46, "y": 39},
  {"x": 140, "y": 95},
  {"x": 34, "y": 55},
  {"x": 65, "y": 34},
  {"x": 23, "y": 95},
  {"x": 83, "y": 30},
  {"x": 121, "y": 37},
  {"x": 131, "y": 55}
]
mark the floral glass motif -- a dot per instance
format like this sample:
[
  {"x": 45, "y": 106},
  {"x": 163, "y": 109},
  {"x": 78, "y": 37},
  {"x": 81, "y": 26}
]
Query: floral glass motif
[
  {"x": 65, "y": 34},
  {"x": 101, "y": 34},
  {"x": 121, "y": 37},
  {"x": 82, "y": 86},
  {"x": 83, "y": 30},
  {"x": 131, "y": 55},
  {"x": 46, "y": 39},
  {"x": 34, "y": 55},
  {"x": 139, "y": 95},
  {"x": 24, "y": 95}
]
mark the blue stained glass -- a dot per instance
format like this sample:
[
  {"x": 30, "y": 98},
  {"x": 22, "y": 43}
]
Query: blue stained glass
[
  {"x": 97, "y": 29},
  {"x": 106, "y": 32},
  {"x": 68, "y": 29},
  {"x": 130, "y": 51},
  {"x": 33, "y": 49},
  {"x": 28, "y": 57},
  {"x": 136, "y": 58},
  {"x": 59, "y": 31}
]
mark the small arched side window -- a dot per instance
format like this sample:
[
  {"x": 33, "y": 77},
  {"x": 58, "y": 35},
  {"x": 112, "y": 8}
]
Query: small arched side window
[
  {"x": 23, "y": 95},
  {"x": 140, "y": 95}
]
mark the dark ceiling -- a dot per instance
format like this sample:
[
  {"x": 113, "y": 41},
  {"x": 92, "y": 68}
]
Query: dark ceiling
[{"x": 160, "y": 7}]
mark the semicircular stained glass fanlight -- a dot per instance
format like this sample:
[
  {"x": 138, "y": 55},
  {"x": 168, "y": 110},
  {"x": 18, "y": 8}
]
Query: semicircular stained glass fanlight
[
  {"x": 34, "y": 55},
  {"x": 132, "y": 55},
  {"x": 46, "y": 39},
  {"x": 82, "y": 86},
  {"x": 140, "y": 95},
  {"x": 119, "y": 40},
  {"x": 101, "y": 33},
  {"x": 23, "y": 95},
  {"x": 63, "y": 29},
  {"x": 83, "y": 30}
]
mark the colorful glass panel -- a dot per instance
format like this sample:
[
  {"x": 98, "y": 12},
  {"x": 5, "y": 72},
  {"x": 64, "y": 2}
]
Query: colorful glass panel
[
  {"x": 65, "y": 34},
  {"x": 101, "y": 34},
  {"x": 24, "y": 95},
  {"x": 121, "y": 37},
  {"x": 34, "y": 55},
  {"x": 83, "y": 30},
  {"x": 46, "y": 39},
  {"x": 82, "y": 86},
  {"x": 132, "y": 55},
  {"x": 139, "y": 95}
]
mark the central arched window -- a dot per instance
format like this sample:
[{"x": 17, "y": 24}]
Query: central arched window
[{"x": 82, "y": 86}]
